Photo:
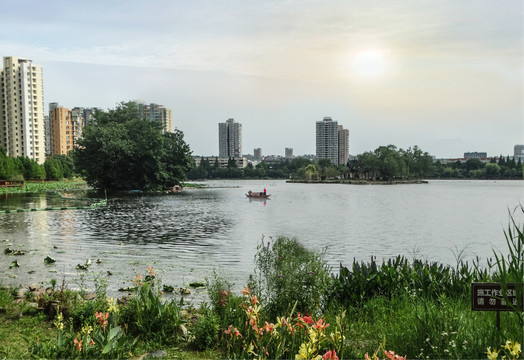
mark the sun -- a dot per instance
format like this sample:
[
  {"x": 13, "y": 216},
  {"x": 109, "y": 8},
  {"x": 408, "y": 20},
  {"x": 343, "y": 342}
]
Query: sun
[{"x": 369, "y": 63}]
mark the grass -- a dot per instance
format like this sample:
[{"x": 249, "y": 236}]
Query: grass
[{"x": 42, "y": 186}]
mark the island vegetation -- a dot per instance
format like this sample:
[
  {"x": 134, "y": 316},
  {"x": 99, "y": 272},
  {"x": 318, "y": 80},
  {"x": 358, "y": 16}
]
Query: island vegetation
[
  {"x": 292, "y": 307},
  {"x": 386, "y": 163}
]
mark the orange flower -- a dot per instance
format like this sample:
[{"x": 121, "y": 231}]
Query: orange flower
[
  {"x": 223, "y": 297},
  {"x": 375, "y": 357},
  {"x": 268, "y": 327},
  {"x": 101, "y": 318},
  {"x": 246, "y": 291},
  {"x": 78, "y": 344},
  {"x": 392, "y": 356},
  {"x": 229, "y": 331},
  {"x": 330, "y": 355},
  {"x": 320, "y": 325},
  {"x": 151, "y": 271},
  {"x": 233, "y": 332},
  {"x": 254, "y": 300}
]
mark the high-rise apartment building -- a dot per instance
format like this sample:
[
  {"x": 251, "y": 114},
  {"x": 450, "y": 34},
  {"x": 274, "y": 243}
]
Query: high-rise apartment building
[
  {"x": 518, "y": 153},
  {"x": 343, "y": 145},
  {"x": 289, "y": 153},
  {"x": 257, "y": 154},
  {"x": 61, "y": 121},
  {"x": 65, "y": 128},
  {"x": 327, "y": 140},
  {"x": 156, "y": 113},
  {"x": 22, "y": 131},
  {"x": 230, "y": 139}
]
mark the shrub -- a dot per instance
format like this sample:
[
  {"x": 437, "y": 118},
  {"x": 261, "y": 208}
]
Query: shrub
[
  {"x": 205, "y": 332},
  {"x": 150, "y": 316},
  {"x": 398, "y": 276},
  {"x": 288, "y": 275}
]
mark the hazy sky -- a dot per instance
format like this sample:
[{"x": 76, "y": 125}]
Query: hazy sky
[{"x": 444, "y": 75}]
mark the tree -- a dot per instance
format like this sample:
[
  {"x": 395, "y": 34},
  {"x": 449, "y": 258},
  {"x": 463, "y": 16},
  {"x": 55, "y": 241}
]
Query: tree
[
  {"x": 311, "y": 172},
  {"x": 492, "y": 170},
  {"x": 369, "y": 164},
  {"x": 8, "y": 167},
  {"x": 473, "y": 164},
  {"x": 197, "y": 173},
  {"x": 53, "y": 168},
  {"x": 59, "y": 166},
  {"x": 31, "y": 169},
  {"x": 119, "y": 151}
]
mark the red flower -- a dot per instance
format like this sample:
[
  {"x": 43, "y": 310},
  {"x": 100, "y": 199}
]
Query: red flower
[{"x": 308, "y": 320}]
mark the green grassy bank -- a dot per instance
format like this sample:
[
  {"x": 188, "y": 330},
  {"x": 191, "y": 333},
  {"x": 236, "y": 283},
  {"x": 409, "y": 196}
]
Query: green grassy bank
[{"x": 42, "y": 186}]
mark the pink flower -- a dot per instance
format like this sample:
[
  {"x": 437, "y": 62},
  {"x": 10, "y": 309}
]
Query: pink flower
[{"x": 330, "y": 355}]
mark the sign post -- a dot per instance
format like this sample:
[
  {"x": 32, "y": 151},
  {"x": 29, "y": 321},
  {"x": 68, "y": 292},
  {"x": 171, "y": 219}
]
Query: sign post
[{"x": 490, "y": 297}]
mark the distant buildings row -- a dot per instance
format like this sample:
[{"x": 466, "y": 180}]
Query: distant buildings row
[
  {"x": 26, "y": 131},
  {"x": 332, "y": 142},
  {"x": 64, "y": 127},
  {"x": 518, "y": 155},
  {"x": 24, "y": 128}
]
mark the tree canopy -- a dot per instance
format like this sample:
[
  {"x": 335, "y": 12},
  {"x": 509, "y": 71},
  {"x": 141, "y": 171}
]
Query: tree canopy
[{"x": 119, "y": 151}]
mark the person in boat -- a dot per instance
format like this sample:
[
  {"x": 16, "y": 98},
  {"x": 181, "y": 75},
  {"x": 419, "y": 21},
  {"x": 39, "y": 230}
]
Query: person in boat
[{"x": 264, "y": 191}]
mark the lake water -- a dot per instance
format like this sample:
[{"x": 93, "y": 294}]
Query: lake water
[{"x": 187, "y": 235}]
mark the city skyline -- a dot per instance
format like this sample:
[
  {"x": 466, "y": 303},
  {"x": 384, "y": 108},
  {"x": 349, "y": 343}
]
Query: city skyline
[{"x": 447, "y": 77}]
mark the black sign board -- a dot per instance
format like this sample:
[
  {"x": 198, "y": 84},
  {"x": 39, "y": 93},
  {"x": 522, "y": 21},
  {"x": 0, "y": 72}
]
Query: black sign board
[{"x": 489, "y": 297}]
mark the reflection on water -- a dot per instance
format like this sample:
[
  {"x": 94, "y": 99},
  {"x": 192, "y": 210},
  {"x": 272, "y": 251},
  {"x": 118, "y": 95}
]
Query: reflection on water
[{"x": 187, "y": 235}]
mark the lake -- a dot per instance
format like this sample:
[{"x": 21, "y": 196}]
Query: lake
[{"x": 186, "y": 236}]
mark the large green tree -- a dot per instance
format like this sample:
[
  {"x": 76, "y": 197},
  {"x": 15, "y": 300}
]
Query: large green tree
[{"x": 119, "y": 151}]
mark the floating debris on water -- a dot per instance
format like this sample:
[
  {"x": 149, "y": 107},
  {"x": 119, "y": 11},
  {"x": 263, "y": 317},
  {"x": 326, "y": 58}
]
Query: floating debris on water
[
  {"x": 49, "y": 260},
  {"x": 9, "y": 251},
  {"x": 184, "y": 291},
  {"x": 168, "y": 288},
  {"x": 84, "y": 266}
]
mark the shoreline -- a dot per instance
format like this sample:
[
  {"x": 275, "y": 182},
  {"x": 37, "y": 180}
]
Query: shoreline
[{"x": 359, "y": 182}]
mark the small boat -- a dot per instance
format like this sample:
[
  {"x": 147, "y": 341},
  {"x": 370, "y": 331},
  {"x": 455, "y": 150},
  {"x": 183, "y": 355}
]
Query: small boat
[{"x": 259, "y": 195}]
